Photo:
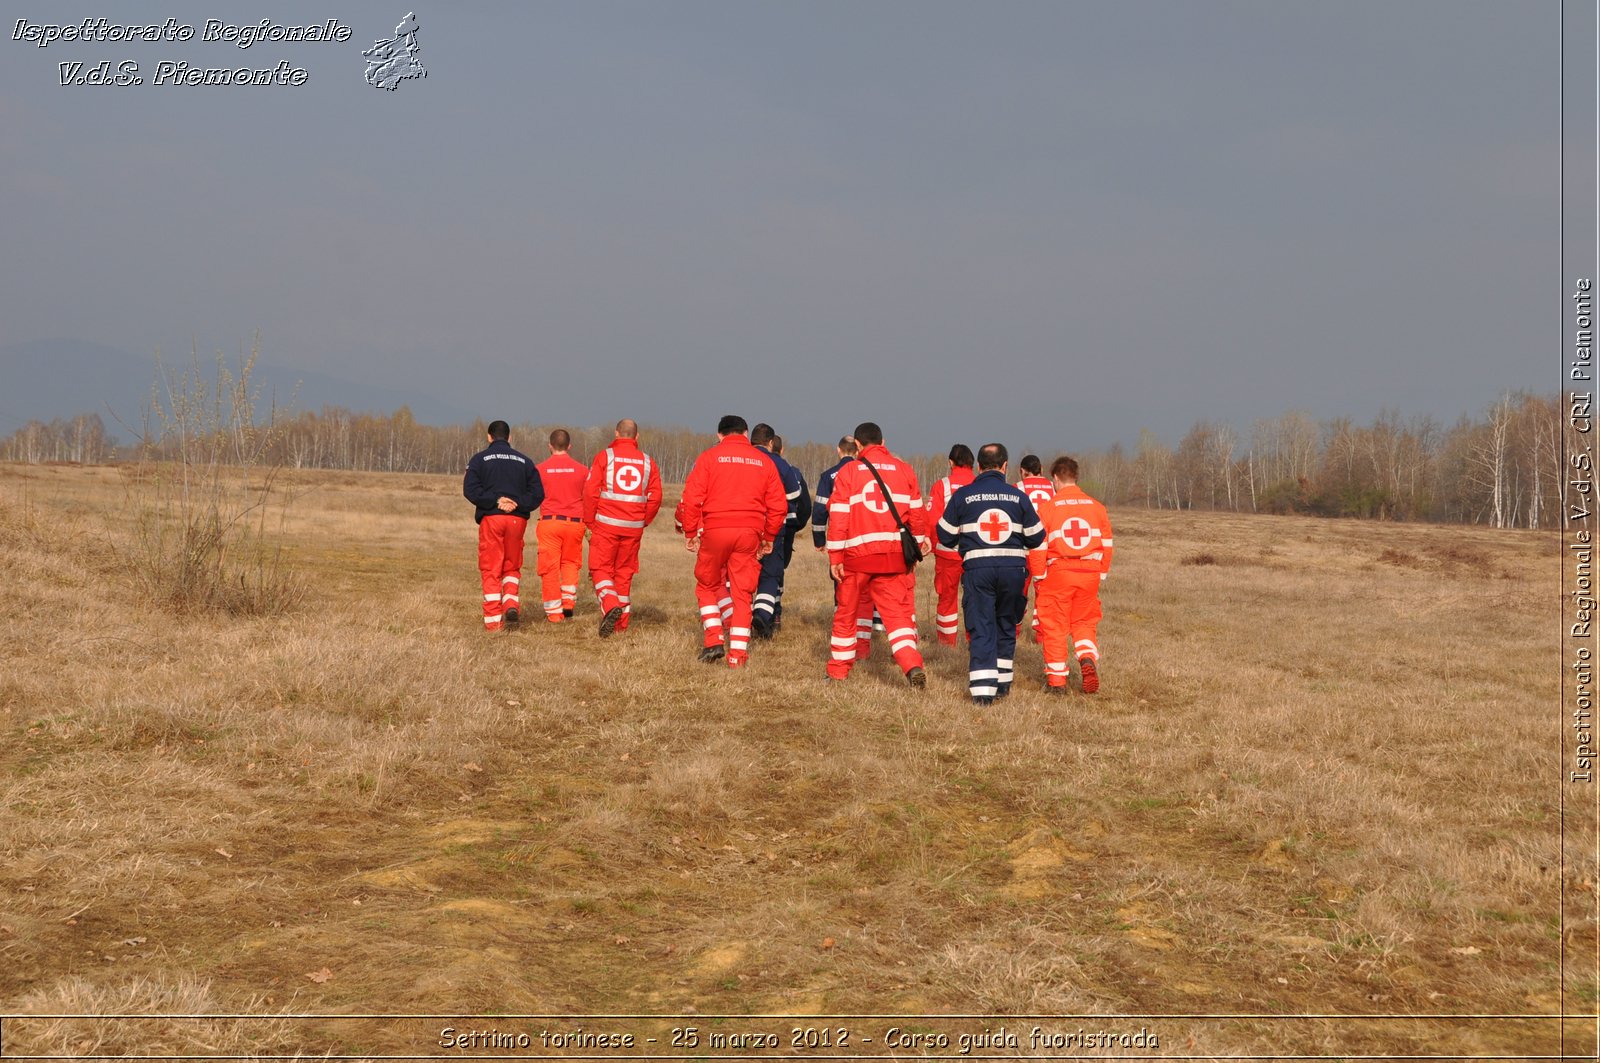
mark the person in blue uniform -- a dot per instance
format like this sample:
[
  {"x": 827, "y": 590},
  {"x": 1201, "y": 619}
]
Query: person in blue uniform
[
  {"x": 767, "y": 606},
  {"x": 994, "y": 527}
]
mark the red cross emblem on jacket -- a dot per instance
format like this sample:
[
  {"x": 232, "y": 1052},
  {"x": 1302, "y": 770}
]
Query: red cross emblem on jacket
[{"x": 994, "y": 526}]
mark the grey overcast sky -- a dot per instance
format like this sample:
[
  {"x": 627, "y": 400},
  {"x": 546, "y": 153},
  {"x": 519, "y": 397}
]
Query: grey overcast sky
[{"x": 1052, "y": 222}]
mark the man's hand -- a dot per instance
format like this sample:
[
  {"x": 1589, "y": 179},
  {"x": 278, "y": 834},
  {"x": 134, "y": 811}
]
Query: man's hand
[
  {"x": 507, "y": 505},
  {"x": 692, "y": 545},
  {"x": 763, "y": 550},
  {"x": 837, "y": 571}
]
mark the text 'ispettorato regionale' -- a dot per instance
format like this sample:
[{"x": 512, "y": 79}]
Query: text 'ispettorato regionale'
[{"x": 178, "y": 72}]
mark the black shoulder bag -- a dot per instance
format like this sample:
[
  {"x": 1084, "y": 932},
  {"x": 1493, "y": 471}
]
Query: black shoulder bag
[{"x": 908, "y": 542}]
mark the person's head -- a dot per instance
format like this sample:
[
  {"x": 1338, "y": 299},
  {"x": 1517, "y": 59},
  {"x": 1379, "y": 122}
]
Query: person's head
[
  {"x": 992, "y": 456},
  {"x": 761, "y": 435},
  {"x": 1064, "y": 471},
  {"x": 627, "y": 428},
  {"x": 1030, "y": 465},
  {"x": 869, "y": 434},
  {"x": 560, "y": 440},
  {"x": 732, "y": 424},
  {"x": 499, "y": 431},
  {"x": 961, "y": 456},
  {"x": 847, "y": 446},
  {"x": 777, "y": 444}
]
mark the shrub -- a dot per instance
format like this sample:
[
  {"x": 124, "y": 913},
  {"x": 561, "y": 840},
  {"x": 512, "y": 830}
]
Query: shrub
[{"x": 203, "y": 498}]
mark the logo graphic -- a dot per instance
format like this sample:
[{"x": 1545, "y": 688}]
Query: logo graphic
[
  {"x": 872, "y": 500},
  {"x": 994, "y": 526},
  {"x": 629, "y": 478},
  {"x": 391, "y": 62},
  {"x": 1039, "y": 495},
  {"x": 1077, "y": 533}
]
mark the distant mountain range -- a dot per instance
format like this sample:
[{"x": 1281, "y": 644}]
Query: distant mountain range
[{"x": 45, "y": 379}]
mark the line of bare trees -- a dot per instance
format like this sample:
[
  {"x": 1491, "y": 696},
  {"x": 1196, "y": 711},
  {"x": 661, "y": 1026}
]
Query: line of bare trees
[
  {"x": 1503, "y": 469},
  {"x": 82, "y": 439}
]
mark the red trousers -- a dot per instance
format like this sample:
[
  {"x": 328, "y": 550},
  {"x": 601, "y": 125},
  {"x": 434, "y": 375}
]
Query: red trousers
[
  {"x": 560, "y": 558},
  {"x": 500, "y": 563},
  {"x": 855, "y": 596},
  {"x": 613, "y": 562},
  {"x": 947, "y": 598},
  {"x": 1068, "y": 607},
  {"x": 726, "y": 572}
]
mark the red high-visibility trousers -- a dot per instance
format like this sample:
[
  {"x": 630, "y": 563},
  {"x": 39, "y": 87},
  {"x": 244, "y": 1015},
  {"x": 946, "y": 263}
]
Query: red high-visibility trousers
[
  {"x": 1068, "y": 607},
  {"x": 864, "y": 624},
  {"x": 947, "y": 598},
  {"x": 500, "y": 563},
  {"x": 894, "y": 597},
  {"x": 560, "y": 558},
  {"x": 726, "y": 572},
  {"x": 613, "y": 562}
]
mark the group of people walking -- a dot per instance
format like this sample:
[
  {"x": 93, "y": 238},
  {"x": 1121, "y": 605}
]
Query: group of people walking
[{"x": 743, "y": 506}]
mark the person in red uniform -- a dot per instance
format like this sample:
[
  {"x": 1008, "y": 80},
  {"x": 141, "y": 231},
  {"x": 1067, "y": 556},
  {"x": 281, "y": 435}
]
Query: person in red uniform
[
  {"x": 503, "y": 486},
  {"x": 1037, "y": 486},
  {"x": 560, "y": 528},
  {"x": 1034, "y": 483},
  {"x": 865, "y": 554},
  {"x": 1068, "y": 574},
  {"x": 946, "y": 561},
  {"x": 622, "y": 497},
  {"x": 734, "y": 507}
]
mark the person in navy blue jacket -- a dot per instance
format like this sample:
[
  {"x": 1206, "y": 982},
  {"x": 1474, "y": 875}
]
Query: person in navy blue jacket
[
  {"x": 994, "y": 527},
  {"x": 503, "y": 484},
  {"x": 819, "y": 506},
  {"x": 767, "y": 606}
]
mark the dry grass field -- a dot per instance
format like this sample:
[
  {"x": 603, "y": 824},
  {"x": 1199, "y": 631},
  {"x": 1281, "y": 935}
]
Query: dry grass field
[{"x": 1321, "y": 778}]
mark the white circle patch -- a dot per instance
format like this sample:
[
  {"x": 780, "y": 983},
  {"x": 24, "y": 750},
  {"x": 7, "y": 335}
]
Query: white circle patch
[{"x": 995, "y": 526}]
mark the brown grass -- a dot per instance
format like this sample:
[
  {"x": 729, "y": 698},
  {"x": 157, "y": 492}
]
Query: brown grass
[{"x": 1317, "y": 779}]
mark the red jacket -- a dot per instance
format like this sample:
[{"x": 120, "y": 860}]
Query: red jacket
[
  {"x": 939, "y": 497},
  {"x": 1039, "y": 489},
  {"x": 624, "y": 488},
  {"x": 862, "y": 532},
  {"x": 732, "y": 485},
  {"x": 1077, "y": 535},
  {"x": 563, "y": 477}
]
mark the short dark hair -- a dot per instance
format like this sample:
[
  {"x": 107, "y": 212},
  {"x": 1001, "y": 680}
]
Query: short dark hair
[
  {"x": 961, "y": 456},
  {"x": 499, "y": 430},
  {"x": 732, "y": 424},
  {"x": 561, "y": 439},
  {"x": 868, "y": 434},
  {"x": 1030, "y": 464},
  {"x": 1064, "y": 468},
  {"x": 627, "y": 428},
  {"x": 777, "y": 444},
  {"x": 992, "y": 455},
  {"x": 848, "y": 444},
  {"x": 762, "y": 433}
]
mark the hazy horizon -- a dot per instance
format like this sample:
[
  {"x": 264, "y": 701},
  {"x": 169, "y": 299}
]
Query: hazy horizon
[{"x": 1092, "y": 218}]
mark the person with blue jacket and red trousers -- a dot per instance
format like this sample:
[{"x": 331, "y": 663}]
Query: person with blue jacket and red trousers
[
  {"x": 503, "y": 484},
  {"x": 995, "y": 528}
]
